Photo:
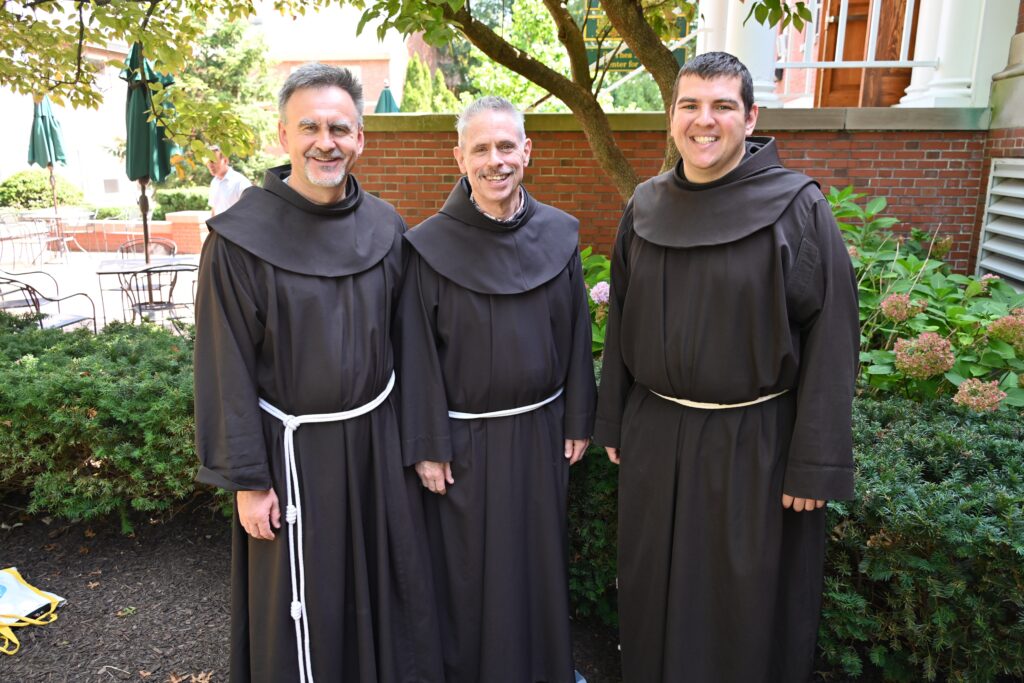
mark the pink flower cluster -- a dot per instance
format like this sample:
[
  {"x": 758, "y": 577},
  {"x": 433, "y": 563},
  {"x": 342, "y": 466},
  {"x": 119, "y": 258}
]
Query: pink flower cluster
[
  {"x": 987, "y": 278},
  {"x": 927, "y": 355},
  {"x": 979, "y": 396},
  {"x": 1010, "y": 329},
  {"x": 599, "y": 293},
  {"x": 898, "y": 307}
]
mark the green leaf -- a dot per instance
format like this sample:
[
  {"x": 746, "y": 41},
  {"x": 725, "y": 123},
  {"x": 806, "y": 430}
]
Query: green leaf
[
  {"x": 876, "y": 205},
  {"x": 954, "y": 378}
]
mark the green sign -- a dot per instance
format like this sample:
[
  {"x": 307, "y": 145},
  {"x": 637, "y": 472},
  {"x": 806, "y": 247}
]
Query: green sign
[{"x": 601, "y": 39}]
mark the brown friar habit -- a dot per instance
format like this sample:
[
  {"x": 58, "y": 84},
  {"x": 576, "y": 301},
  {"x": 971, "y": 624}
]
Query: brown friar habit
[
  {"x": 294, "y": 305},
  {"x": 494, "y": 316},
  {"x": 723, "y": 293}
]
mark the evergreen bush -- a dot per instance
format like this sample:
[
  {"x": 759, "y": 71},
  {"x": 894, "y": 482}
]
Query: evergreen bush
[
  {"x": 925, "y": 569},
  {"x": 181, "y": 199},
  {"x": 96, "y": 424},
  {"x": 31, "y": 190}
]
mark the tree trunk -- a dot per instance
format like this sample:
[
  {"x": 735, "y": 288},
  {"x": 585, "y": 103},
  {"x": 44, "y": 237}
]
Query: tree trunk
[{"x": 577, "y": 97}]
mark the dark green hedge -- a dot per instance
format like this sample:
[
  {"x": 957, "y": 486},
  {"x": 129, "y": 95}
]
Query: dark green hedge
[
  {"x": 95, "y": 424},
  {"x": 925, "y": 568},
  {"x": 180, "y": 199},
  {"x": 31, "y": 190}
]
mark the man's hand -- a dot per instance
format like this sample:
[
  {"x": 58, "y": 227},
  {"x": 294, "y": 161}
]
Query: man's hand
[
  {"x": 259, "y": 513},
  {"x": 613, "y": 454},
  {"x": 434, "y": 475},
  {"x": 575, "y": 449},
  {"x": 801, "y": 504}
]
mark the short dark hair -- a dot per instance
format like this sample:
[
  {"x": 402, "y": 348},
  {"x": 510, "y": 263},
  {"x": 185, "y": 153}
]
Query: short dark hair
[
  {"x": 316, "y": 75},
  {"x": 711, "y": 65}
]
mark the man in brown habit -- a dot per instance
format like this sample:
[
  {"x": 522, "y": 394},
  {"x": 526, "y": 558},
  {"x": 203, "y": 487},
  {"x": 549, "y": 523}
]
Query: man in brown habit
[
  {"x": 726, "y": 392},
  {"x": 295, "y": 411},
  {"x": 498, "y": 395}
]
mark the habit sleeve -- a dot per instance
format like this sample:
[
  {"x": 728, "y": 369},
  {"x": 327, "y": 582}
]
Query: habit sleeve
[
  {"x": 424, "y": 406},
  {"x": 580, "y": 388},
  {"x": 823, "y": 292},
  {"x": 616, "y": 379},
  {"x": 229, "y": 433}
]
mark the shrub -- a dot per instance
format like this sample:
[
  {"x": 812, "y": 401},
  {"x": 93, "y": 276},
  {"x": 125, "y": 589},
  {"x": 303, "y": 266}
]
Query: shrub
[
  {"x": 924, "y": 567},
  {"x": 96, "y": 424},
  {"x": 117, "y": 213},
  {"x": 597, "y": 274},
  {"x": 31, "y": 190},
  {"x": 907, "y": 292},
  {"x": 181, "y": 199},
  {"x": 255, "y": 166},
  {"x": 593, "y": 525}
]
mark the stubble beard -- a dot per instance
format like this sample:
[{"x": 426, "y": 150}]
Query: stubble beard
[{"x": 325, "y": 181}]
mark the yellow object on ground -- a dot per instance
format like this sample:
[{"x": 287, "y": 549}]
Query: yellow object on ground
[{"x": 22, "y": 604}]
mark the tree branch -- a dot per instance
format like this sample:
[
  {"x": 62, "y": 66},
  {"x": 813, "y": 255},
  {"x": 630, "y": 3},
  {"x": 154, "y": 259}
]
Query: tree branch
[
  {"x": 495, "y": 47},
  {"x": 580, "y": 100},
  {"x": 627, "y": 17},
  {"x": 571, "y": 37}
]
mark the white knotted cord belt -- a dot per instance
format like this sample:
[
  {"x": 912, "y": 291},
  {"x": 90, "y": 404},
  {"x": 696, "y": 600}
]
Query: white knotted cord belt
[
  {"x": 718, "y": 406},
  {"x": 293, "y": 514},
  {"x": 454, "y": 414}
]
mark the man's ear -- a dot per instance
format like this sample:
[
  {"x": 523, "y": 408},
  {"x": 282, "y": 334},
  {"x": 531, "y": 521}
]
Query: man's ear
[
  {"x": 751, "y": 121},
  {"x": 457, "y": 152}
]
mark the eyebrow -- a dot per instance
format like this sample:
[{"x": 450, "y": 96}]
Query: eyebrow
[
  {"x": 337, "y": 123},
  {"x": 720, "y": 100}
]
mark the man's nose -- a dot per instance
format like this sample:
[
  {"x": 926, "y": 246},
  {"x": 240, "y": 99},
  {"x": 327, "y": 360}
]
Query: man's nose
[
  {"x": 495, "y": 158},
  {"x": 704, "y": 116},
  {"x": 324, "y": 140}
]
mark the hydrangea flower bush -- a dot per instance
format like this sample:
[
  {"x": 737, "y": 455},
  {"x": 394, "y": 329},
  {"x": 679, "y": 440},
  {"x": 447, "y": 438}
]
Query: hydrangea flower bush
[{"x": 925, "y": 331}]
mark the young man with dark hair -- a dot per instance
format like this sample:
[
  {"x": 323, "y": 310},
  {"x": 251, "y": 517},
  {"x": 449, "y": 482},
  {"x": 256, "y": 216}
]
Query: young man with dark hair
[{"x": 726, "y": 391}]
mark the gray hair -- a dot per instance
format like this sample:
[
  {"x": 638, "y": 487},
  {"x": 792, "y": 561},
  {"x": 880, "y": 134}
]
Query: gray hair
[
  {"x": 316, "y": 75},
  {"x": 490, "y": 103}
]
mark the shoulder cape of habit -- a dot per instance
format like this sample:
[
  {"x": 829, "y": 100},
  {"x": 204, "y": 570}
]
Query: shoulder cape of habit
[
  {"x": 671, "y": 211},
  {"x": 280, "y": 226},
  {"x": 489, "y": 257}
]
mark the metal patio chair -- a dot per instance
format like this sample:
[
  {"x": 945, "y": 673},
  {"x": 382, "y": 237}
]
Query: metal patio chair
[{"x": 19, "y": 296}]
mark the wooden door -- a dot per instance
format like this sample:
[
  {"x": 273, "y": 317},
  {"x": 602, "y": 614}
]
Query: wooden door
[{"x": 862, "y": 87}]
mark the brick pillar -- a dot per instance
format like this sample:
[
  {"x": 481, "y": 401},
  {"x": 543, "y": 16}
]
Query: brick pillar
[{"x": 188, "y": 230}]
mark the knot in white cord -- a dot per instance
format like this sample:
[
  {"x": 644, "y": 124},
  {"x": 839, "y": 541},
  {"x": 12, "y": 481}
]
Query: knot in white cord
[
  {"x": 291, "y": 513},
  {"x": 296, "y": 610},
  {"x": 291, "y": 422}
]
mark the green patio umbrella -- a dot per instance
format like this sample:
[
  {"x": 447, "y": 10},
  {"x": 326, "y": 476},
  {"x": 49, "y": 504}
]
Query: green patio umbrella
[
  {"x": 148, "y": 150},
  {"x": 46, "y": 146},
  {"x": 386, "y": 102}
]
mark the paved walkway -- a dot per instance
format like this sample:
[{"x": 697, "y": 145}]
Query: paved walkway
[{"x": 76, "y": 272}]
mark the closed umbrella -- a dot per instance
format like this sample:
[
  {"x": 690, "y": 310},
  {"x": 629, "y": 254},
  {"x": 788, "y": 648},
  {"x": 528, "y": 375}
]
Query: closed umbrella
[
  {"x": 386, "y": 102},
  {"x": 148, "y": 150},
  {"x": 46, "y": 147}
]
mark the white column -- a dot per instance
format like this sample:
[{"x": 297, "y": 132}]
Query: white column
[
  {"x": 711, "y": 25},
  {"x": 754, "y": 45},
  {"x": 956, "y": 51},
  {"x": 997, "y": 27},
  {"x": 926, "y": 46}
]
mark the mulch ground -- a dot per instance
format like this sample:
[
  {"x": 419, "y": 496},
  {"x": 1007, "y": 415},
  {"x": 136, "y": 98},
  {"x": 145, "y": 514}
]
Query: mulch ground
[{"x": 152, "y": 606}]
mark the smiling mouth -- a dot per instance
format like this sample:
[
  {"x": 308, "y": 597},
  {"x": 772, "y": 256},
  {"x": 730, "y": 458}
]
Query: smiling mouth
[
  {"x": 704, "y": 139},
  {"x": 496, "y": 177}
]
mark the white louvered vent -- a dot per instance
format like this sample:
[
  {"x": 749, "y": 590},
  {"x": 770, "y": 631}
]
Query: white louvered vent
[{"x": 1002, "y": 231}]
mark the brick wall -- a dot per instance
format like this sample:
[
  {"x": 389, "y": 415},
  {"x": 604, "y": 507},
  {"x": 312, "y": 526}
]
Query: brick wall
[
  {"x": 933, "y": 179},
  {"x": 1020, "y": 19}
]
